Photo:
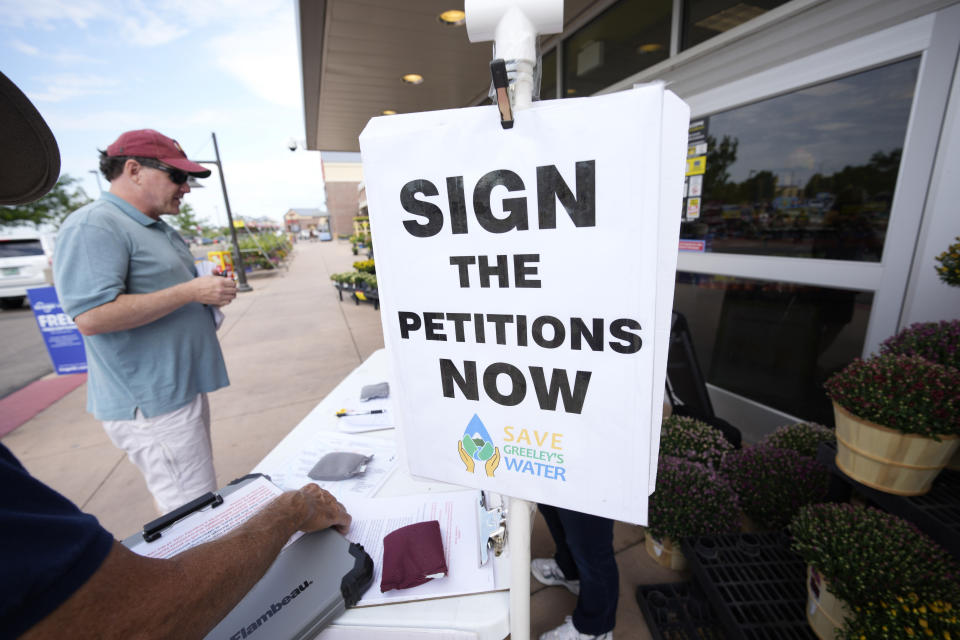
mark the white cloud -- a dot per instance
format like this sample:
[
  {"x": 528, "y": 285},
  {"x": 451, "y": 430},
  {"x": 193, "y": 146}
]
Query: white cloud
[
  {"x": 144, "y": 27},
  {"x": 45, "y": 13},
  {"x": 23, "y": 47},
  {"x": 71, "y": 85},
  {"x": 264, "y": 58}
]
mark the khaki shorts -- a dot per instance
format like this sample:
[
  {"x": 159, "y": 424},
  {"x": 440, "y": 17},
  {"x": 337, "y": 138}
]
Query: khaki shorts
[{"x": 172, "y": 451}]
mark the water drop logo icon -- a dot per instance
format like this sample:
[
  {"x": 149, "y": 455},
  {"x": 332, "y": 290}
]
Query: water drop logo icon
[{"x": 476, "y": 445}]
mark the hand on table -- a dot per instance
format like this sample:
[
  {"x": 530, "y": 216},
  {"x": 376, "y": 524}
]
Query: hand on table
[{"x": 323, "y": 510}]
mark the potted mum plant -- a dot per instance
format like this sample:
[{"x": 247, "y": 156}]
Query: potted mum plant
[
  {"x": 691, "y": 500},
  {"x": 934, "y": 341},
  {"x": 860, "y": 558},
  {"x": 683, "y": 437},
  {"x": 773, "y": 484},
  {"x": 903, "y": 617},
  {"x": 898, "y": 421},
  {"x": 802, "y": 437}
]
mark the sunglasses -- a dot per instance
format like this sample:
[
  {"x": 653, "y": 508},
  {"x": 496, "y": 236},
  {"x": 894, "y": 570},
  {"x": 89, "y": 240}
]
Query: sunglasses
[{"x": 176, "y": 176}]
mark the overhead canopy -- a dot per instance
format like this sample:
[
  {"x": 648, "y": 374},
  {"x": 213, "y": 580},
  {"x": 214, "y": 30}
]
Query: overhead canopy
[{"x": 353, "y": 54}]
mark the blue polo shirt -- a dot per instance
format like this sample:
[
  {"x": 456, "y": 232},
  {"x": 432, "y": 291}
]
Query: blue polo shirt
[{"x": 107, "y": 248}]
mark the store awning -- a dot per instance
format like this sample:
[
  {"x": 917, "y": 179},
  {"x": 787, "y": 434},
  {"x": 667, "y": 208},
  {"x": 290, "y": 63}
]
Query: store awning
[{"x": 354, "y": 53}]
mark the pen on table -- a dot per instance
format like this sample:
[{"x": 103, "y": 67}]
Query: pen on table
[{"x": 344, "y": 412}]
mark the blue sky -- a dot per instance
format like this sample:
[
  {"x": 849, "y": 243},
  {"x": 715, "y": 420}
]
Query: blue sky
[{"x": 96, "y": 68}]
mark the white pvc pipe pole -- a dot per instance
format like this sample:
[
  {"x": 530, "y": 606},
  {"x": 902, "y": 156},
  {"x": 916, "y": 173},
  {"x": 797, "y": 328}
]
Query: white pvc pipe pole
[
  {"x": 518, "y": 530},
  {"x": 513, "y": 25}
]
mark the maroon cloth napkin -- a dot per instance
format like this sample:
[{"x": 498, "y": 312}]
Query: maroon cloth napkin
[{"x": 412, "y": 555}]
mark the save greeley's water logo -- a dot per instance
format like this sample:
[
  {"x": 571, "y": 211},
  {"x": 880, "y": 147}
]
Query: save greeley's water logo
[{"x": 476, "y": 445}]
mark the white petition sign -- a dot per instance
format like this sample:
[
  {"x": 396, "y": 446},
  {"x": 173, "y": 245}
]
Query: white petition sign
[{"x": 526, "y": 278}]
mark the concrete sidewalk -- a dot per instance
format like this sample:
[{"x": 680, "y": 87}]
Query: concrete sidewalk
[{"x": 287, "y": 344}]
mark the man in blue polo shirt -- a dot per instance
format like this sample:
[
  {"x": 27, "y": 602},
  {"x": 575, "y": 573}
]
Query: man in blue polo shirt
[{"x": 129, "y": 282}]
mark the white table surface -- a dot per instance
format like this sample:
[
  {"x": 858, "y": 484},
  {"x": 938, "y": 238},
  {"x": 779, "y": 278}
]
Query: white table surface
[{"x": 482, "y": 616}]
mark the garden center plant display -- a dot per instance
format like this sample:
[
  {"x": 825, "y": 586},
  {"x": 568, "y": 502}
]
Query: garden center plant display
[
  {"x": 802, "y": 437},
  {"x": 691, "y": 500},
  {"x": 949, "y": 267},
  {"x": 772, "y": 484},
  {"x": 689, "y": 438},
  {"x": 934, "y": 341},
  {"x": 898, "y": 421},
  {"x": 873, "y": 561}
]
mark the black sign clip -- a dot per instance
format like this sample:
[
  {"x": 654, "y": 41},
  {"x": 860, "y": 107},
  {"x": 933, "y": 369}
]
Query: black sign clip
[{"x": 498, "y": 69}]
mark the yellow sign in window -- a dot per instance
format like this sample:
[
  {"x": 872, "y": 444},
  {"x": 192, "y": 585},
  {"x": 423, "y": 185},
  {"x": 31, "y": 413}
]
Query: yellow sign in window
[{"x": 696, "y": 166}]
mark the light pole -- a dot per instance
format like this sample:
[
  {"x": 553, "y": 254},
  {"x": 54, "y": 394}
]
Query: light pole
[
  {"x": 240, "y": 268},
  {"x": 97, "y": 174}
]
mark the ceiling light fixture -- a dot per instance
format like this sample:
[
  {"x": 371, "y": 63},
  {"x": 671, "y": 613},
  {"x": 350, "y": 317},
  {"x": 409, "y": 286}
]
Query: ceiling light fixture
[
  {"x": 389, "y": 112},
  {"x": 651, "y": 47},
  {"x": 413, "y": 78},
  {"x": 452, "y": 18}
]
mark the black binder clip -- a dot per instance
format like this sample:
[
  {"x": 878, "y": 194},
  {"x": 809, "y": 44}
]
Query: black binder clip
[
  {"x": 152, "y": 530},
  {"x": 498, "y": 69}
]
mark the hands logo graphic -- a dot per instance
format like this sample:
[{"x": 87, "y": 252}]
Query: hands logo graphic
[{"x": 477, "y": 446}]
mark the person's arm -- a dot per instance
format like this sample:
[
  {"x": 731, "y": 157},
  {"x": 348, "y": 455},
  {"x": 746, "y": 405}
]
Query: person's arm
[
  {"x": 131, "y": 310},
  {"x": 131, "y": 596}
]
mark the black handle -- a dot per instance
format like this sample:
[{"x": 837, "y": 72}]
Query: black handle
[{"x": 151, "y": 530}]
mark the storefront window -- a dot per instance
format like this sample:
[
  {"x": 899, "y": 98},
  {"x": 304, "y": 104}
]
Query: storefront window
[
  {"x": 626, "y": 38},
  {"x": 548, "y": 75},
  {"x": 773, "y": 342},
  {"x": 809, "y": 174},
  {"x": 703, "y": 19}
]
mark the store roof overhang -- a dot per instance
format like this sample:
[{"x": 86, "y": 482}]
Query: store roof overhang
[{"x": 353, "y": 54}]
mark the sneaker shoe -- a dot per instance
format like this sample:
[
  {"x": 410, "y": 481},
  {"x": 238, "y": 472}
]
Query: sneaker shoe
[
  {"x": 567, "y": 631},
  {"x": 546, "y": 571}
]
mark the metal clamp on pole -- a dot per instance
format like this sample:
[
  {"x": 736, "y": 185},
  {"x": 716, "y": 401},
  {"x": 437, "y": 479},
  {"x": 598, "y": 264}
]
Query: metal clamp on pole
[{"x": 498, "y": 69}]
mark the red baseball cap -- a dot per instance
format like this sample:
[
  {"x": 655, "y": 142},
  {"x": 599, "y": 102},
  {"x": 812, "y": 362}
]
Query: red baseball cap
[{"x": 148, "y": 143}]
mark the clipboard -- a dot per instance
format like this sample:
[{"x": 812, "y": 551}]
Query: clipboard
[{"x": 313, "y": 580}]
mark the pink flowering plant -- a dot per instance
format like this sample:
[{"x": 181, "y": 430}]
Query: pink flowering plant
[
  {"x": 773, "y": 484},
  {"x": 802, "y": 437},
  {"x": 934, "y": 341},
  {"x": 691, "y": 500},
  {"x": 905, "y": 393},
  {"x": 689, "y": 438},
  {"x": 867, "y": 555}
]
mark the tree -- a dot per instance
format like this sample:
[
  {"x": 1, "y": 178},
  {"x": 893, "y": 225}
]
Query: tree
[
  {"x": 52, "y": 208},
  {"x": 186, "y": 222}
]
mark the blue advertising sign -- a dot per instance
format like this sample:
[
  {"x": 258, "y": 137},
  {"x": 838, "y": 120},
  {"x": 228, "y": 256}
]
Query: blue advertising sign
[{"x": 63, "y": 339}]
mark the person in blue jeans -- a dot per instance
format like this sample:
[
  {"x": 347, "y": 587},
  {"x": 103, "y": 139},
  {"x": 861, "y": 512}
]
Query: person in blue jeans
[{"x": 585, "y": 564}]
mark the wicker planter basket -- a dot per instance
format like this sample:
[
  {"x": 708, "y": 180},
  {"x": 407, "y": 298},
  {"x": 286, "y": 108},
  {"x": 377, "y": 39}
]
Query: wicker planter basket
[
  {"x": 887, "y": 460},
  {"x": 666, "y": 553},
  {"x": 825, "y": 613}
]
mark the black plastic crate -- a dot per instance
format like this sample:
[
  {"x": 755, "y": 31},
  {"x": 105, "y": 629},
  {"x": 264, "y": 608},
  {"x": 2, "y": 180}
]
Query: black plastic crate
[
  {"x": 936, "y": 513},
  {"x": 678, "y": 611},
  {"x": 754, "y": 583}
]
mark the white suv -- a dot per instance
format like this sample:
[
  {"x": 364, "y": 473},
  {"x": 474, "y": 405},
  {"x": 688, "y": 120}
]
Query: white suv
[{"x": 26, "y": 261}]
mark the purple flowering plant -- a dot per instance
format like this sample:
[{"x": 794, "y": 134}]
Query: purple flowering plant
[
  {"x": 905, "y": 393},
  {"x": 684, "y": 437},
  {"x": 867, "y": 555},
  {"x": 773, "y": 484},
  {"x": 802, "y": 437},
  {"x": 691, "y": 500},
  {"x": 935, "y": 341}
]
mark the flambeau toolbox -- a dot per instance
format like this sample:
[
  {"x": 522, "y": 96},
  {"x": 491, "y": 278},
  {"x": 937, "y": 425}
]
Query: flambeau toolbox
[{"x": 311, "y": 582}]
